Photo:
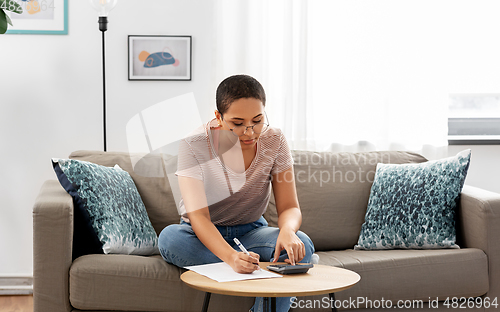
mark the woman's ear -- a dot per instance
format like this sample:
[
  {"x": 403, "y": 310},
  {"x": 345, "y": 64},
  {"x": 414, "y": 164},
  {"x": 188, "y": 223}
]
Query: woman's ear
[{"x": 218, "y": 116}]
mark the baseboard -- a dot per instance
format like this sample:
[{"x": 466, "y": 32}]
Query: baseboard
[{"x": 16, "y": 284}]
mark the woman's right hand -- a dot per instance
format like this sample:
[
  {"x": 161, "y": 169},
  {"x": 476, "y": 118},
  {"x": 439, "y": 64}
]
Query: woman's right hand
[{"x": 243, "y": 263}]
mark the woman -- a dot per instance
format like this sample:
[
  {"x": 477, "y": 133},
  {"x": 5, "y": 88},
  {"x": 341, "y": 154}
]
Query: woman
[{"x": 225, "y": 171}]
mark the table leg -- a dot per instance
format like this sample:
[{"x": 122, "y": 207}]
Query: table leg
[
  {"x": 332, "y": 302},
  {"x": 265, "y": 304},
  {"x": 206, "y": 302}
]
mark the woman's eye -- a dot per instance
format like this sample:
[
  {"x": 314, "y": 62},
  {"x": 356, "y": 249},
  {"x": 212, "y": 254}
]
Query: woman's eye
[{"x": 255, "y": 121}]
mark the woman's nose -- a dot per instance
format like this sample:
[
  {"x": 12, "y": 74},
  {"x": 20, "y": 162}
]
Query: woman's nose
[{"x": 245, "y": 132}]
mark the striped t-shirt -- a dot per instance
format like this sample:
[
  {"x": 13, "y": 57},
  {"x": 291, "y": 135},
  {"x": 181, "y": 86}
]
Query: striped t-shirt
[{"x": 234, "y": 195}]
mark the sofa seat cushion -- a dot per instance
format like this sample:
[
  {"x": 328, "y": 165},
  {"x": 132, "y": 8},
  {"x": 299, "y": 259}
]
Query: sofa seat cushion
[
  {"x": 138, "y": 283},
  {"x": 413, "y": 274}
]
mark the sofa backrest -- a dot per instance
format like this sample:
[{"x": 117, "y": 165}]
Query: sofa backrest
[
  {"x": 333, "y": 191},
  {"x": 332, "y": 188}
]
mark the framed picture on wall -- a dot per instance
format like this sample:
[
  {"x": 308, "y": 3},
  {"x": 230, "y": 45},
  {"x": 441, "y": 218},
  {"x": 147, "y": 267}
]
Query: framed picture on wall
[
  {"x": 159, "y": 57},
  {"x": 46, "y": 17}
]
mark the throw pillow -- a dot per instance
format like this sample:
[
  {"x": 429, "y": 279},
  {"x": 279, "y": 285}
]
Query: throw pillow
[
  {"x": 412, "y": 206},
  {"x": 107, "y": 199}
]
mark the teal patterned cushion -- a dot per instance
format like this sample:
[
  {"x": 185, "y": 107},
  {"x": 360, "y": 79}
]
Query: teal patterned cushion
[
  {"x": 412, "y": 206},
  {"x": 108, "y": 199}
]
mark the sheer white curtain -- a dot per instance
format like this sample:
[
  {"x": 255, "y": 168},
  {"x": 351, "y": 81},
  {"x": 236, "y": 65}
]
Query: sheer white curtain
[{"x": 345, "y": 75}]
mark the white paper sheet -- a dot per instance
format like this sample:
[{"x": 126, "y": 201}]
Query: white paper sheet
[{"x": 222, "y": 272}]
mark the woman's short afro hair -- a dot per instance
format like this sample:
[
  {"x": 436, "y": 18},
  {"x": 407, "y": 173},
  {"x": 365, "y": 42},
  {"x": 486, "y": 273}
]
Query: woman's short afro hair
[{"x": 236, "y": 87}]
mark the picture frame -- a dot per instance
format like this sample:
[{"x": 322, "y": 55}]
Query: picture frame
[
  {"x": 42, "y": 17},
  {"x": 159, "y": 57}
]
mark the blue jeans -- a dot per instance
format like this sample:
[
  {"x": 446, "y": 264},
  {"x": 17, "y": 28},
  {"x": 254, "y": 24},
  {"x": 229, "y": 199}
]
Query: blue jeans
[{"x": 180, "y": 246}]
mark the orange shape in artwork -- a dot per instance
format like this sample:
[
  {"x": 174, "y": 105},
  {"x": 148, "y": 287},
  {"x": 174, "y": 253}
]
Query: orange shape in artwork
[
  {"x": 33, "y": 7},
  {"x": 143, "y": 56}
]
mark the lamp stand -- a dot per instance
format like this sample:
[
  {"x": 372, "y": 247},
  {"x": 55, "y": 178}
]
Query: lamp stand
[{"x": 103, "y": 26}]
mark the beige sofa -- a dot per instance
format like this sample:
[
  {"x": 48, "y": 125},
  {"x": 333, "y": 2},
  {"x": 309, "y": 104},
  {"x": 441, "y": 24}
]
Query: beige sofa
[{"x": 333, "y": 207}]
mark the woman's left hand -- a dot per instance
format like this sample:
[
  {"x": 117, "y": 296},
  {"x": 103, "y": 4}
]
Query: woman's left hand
[{"x": 287, "y": 239}]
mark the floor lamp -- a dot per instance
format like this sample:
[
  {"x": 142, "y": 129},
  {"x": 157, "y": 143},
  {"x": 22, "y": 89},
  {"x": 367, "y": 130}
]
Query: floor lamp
[{"x": 103, "y": 7}]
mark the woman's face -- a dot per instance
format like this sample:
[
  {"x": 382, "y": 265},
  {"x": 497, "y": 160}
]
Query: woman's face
[{"x": 244, "y": 111}]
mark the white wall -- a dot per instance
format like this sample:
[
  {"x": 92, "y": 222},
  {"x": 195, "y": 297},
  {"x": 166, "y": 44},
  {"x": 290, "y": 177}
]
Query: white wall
[
  {"x": 51, "y": 99},
  {"x": 484, "y": 168}
]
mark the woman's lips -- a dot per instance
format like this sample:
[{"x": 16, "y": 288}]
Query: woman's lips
[{"x": 248, "y": 141}]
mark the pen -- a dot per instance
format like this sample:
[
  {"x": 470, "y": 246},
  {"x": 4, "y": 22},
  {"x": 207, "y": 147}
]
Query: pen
[{"x": 241, "y": 247}]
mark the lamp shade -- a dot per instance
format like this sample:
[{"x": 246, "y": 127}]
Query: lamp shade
[{"x": 103, "y": 6}]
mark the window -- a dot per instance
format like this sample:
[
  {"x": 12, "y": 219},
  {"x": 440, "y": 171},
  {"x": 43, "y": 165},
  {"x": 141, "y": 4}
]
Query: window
[{"x": 474, "y": 119}]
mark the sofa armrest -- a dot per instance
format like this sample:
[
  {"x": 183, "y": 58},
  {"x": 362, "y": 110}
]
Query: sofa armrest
[
  {"x": 52, "y": 248},
  {"x": 479, "y": 227}
]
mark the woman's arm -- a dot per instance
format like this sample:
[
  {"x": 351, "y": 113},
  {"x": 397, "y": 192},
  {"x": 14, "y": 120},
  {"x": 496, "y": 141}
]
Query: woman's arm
[
  {"x": 195, "y": 201},
  {"x": 289, "y": 217}
]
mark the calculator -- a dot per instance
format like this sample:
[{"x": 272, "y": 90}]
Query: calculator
[{"x": 290, "y": 269}]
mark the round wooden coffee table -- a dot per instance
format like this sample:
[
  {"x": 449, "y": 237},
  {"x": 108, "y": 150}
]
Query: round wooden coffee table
[{"x": 319, "y": 280}]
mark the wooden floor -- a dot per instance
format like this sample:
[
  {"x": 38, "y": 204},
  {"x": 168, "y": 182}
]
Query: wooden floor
[{"x": 16, "y": 303}]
